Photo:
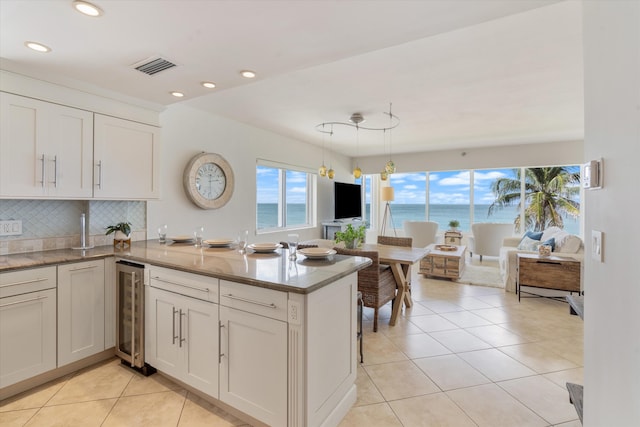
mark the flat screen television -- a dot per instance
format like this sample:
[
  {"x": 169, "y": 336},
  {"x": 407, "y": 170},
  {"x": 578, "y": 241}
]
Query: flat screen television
[{"x": 347, "y": 200}]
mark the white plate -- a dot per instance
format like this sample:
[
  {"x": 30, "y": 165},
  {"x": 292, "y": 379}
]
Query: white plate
[
  {"x": 264, "y": 247},
  {"x": 318, "y": 253},
  {"x": 182, "y": 239},
  {"x": 218, "y": 242}
]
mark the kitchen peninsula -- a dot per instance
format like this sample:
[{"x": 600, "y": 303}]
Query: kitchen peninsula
[{"x": 265, "y": 351}]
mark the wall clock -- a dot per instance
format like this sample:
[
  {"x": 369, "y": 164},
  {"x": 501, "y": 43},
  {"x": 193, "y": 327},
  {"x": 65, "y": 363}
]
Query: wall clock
[{"x": 208, "y": 180}]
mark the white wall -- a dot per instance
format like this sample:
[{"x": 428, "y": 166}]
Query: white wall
[
  {"x": 612, "y": 288},
  {"x": 542, "y": 154},
  {"x": 187, "y": 132}
]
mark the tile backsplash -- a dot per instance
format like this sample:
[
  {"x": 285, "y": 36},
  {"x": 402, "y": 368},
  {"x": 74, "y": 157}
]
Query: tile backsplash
[{"x": 55, "y": 224}]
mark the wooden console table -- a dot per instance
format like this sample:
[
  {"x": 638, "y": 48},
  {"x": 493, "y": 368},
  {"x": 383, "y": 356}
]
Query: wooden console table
[{"x": 550, "y": 272}]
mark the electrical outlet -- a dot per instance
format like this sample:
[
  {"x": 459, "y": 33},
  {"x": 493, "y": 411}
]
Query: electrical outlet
[
  {"x": 11, "y": 228},
  {"x": 294, "y": 312},
  {"x": 597, "y": 252}
]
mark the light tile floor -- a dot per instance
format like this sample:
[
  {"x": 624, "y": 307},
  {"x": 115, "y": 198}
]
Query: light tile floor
[{"x": 461, "y": 356}]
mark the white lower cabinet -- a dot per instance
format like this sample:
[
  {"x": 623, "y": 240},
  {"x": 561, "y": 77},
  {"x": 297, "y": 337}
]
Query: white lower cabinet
[
  {"x": 27, "y": 324},
  {"x": 182, "y": 331},
  {"x": 81, "y": 310},
  {"x": 253, "y": 365},
  {"x": 253, "y": 351}
]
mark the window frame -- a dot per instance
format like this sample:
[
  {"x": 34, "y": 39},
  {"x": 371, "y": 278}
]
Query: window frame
[{"x": 310, "y": 196}]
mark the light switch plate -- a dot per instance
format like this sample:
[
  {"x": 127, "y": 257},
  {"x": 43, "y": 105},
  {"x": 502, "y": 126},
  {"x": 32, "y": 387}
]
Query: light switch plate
[
  {"x": 11, "y": 228},
  {"x": 597, "y": 252}
]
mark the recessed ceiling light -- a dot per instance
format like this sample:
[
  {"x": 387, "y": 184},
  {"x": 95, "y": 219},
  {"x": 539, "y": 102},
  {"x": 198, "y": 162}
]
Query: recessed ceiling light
[
  {"x": 38, "y": 47},
  {"x": 87, "y": 8},
  {"x": 177, "y": 94},
  {"x": 248, "y": 74},
  {"x": 209, "y": 85}
]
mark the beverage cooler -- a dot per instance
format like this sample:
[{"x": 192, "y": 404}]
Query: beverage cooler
[{"x": 130, "y": 316}]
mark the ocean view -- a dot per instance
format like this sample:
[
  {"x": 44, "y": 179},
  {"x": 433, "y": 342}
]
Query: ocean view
[{"x": 440, "y": 213}]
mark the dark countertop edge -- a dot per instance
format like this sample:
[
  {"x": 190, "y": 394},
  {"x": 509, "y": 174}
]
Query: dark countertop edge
[{"x": 101, "y": 252}]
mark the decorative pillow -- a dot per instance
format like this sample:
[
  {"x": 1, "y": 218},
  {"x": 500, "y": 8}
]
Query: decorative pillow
[
  {"x": 553, "y": 232},
  {"x": 533, "y": 235},
  {"x": 528, "y": 244}
]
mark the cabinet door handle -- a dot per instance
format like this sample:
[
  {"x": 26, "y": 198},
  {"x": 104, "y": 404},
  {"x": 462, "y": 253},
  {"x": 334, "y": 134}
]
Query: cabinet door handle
[
  {"x": 220, "y": 353},
  {"x": 133, "y": 318},
  {"x": 44, "y": 173},
  {"x": 180, "y": 329},
  {"x": 55, "y": 171},
  {"x": 40, "y": 279},
  {"x": 21, "y": 302},
  {"x": 99, "y": 184},
  {"x": 174, "y": 326},
  {"x": 180, "y": 284},
  {"x": 133, "y": 275},
  {"x": 250, "y": 301}
]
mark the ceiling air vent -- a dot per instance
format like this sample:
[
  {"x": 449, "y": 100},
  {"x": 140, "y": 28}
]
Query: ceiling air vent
[{"x": 153, "y": 65}]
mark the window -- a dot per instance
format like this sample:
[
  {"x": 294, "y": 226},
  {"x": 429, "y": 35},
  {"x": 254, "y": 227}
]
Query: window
[
  {"x": 450, "y": 198},
  {"x": 365, "y": 181},
  {"x": 494, "y": 197},
  {"x": 484, "y": 182},
  {"x": 284, "y": 197},
  {"x": 409, "y": 194}
]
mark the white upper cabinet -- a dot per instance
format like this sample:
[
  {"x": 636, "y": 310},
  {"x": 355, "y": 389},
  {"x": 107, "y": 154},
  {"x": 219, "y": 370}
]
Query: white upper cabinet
[
  {"x": 46, "y": 150},
  {"x": 126, "y": 159}
]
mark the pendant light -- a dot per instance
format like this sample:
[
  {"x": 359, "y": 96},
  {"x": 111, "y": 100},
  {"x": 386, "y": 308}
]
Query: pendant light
[
  {"x": 390, "y": 167},
  {"x": 384, "y": 174},
  {"x": 357, "y": 119},
  {"x": 331, "y": 173},
  {"x": 322, "y": 171}
]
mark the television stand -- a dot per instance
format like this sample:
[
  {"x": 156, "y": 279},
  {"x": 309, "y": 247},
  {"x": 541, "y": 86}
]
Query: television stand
[{"x": 329, "y": 228}]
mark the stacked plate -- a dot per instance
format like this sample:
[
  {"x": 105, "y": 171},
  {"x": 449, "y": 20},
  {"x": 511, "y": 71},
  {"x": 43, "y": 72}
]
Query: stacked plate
[
  {"x": 317, "y": 253},
  {"x": 218, "y": 243},
  {"x": 264, "y": 247},
  {"x": 184, "y": 238}
]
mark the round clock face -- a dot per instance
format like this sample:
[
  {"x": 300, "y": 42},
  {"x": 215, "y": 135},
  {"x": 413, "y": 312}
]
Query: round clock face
[{"x": 208, "y": 180}]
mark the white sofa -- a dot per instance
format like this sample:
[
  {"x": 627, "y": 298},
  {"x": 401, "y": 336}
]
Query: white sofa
[{"x": 567, "y": 245}]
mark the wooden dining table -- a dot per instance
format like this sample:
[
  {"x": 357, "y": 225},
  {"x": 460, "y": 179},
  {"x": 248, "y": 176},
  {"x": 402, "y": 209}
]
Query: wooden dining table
[{"x": 398, "y": 257}]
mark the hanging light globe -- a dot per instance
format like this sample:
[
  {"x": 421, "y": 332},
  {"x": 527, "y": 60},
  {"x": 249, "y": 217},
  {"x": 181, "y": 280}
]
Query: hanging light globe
[
  {"x": 331, "y": 173},
  {"x": 323, "y": 170},
  {"x": 390, "y": 167},
  {"x": 383, "y": 175},
  {"x": 357, "y": 172}
]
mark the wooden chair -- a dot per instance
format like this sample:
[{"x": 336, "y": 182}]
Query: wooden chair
[{"x": 376, "y": 282}]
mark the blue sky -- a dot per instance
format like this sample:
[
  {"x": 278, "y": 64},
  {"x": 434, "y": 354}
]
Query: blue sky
[{"x": 451, "y": 187}]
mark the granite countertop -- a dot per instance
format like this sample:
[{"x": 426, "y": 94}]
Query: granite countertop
[{"x": 270, "y": 270}]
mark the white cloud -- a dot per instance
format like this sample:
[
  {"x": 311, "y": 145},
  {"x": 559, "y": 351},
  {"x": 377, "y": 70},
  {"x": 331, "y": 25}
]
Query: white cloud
[
  {"x": 461, "y": 178},
  {"x": 449, "y": 198}
]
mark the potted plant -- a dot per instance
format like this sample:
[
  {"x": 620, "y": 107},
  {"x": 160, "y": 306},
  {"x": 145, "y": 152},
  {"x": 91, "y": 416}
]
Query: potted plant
[
  {"x": 454, "y": 224},
  {"x": 352, "y": 237},
  {"x": 122, "y": 230}
]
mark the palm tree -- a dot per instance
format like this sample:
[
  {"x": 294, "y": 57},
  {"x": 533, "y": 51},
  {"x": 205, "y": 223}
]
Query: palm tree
[{"x": 550, "y": 194}]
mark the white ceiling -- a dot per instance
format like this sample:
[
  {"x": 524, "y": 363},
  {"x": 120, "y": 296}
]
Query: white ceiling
[{"x": 460, "y": 73}]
